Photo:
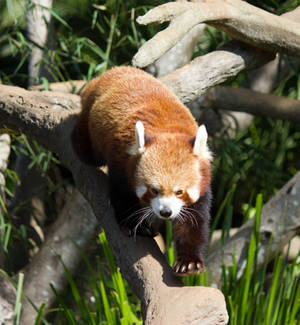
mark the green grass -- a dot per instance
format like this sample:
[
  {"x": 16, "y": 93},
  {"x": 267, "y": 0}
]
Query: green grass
[
  {"x": 110, "y": 300},
  {"x": 18, "y": 303}
]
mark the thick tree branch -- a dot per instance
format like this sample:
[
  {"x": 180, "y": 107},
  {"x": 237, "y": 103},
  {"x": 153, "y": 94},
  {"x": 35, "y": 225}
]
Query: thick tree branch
[
  {"x": 72, "y": 86},
  {"x": 7, "y": 301},
  {"x": 71, "y": 233},
  {"x": 19, "y": 107},
  {"x": 280, "y": 222},
  {"x": 253, "y": 102},
  {"x": 192, "y": 80},
  {"x": 238, "y": 18},
  {"x": 264, "y": 80},
  {"x": 180, "y": 54},
  {"x": 141, "y": 261}
]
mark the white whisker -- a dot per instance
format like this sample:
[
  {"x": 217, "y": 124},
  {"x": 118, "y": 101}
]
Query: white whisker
[
  {"x": 135, "y": 213},
  {"x": 189, "y": 214},
  {"x": 141, "y": 219},
  {"x": 193, "y": 210}
]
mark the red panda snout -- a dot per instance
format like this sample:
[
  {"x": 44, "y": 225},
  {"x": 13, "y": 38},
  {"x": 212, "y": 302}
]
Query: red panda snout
[
  {"x": 167, "y": 204},
  {"x": 166, "y": 207}
]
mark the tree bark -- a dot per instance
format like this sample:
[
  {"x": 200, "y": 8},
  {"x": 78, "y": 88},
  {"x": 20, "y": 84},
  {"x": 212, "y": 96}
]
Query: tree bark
[
  {"x": 7, "y": 301},
  {"x": 40, "y": 33},
  {"x": 192, "y": 80},
  {"x": 180, "y": 54},
  {"x": 239, "y": 19},
  {"x": 71, "y": 234},
  {"x": 253, "y": 102}
]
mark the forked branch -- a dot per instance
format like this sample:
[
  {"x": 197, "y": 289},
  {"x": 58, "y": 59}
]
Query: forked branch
[{"x": 238, "y": 18}]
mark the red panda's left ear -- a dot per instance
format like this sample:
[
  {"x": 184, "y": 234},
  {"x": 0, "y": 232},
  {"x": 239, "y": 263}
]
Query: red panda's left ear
[
  {"x": 141, "y": 139},
  {"x": 200, "y": 147}
]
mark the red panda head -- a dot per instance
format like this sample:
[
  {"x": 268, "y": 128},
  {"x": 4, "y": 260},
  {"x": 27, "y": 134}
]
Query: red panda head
[{"x": 172, "y": 170}]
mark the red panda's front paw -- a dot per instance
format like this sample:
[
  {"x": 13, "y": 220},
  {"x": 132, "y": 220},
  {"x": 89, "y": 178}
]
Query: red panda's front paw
[{"x": 184, "y": 265}]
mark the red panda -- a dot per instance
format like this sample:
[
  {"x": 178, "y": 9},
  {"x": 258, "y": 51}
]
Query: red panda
[{"x": 157, "y": 156}]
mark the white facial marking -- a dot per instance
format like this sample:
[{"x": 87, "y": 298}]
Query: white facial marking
[
  {"x": 171, "y": 203},
  {"x": 194, "y": 193},
  {"x": 140, "y": 190}
]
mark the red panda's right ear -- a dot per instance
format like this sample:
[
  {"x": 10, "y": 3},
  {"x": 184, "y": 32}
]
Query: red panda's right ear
[{"x": 200, "y": 147}]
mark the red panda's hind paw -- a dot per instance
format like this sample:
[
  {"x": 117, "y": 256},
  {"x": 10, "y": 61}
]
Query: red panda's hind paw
[{"x": 184, "y": 266}]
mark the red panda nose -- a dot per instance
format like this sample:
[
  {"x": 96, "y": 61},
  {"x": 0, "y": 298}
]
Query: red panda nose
[{"x": 165, "y": 212}]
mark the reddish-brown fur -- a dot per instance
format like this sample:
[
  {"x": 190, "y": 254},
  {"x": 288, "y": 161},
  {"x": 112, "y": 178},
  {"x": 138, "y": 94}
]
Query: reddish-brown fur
[
  {"x": 111, "y": 106},
  {"x": 125, "y": 95}
]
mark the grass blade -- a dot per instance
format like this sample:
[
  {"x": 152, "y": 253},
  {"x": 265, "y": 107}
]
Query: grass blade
[
  {"x": 18, "y": 303},
  {"x": 107, "y": 309},
  {"x": 170, "y": 253},
  {"x": 40, "y": 314}
]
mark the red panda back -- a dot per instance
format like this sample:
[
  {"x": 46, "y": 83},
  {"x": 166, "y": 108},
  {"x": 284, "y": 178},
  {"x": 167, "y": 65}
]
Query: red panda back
[{"x": 115, "y": 101}]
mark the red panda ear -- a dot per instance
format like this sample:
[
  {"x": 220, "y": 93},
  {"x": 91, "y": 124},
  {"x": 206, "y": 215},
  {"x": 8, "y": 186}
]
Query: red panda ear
[
  {"x": 199, "y": 143},
  {"x": 140, "y": 137}
]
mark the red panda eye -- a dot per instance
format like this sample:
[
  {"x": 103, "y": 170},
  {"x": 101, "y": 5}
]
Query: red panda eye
[
  {"x": 179, "y": 192},
  {"x": 154, "y": 190}
]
